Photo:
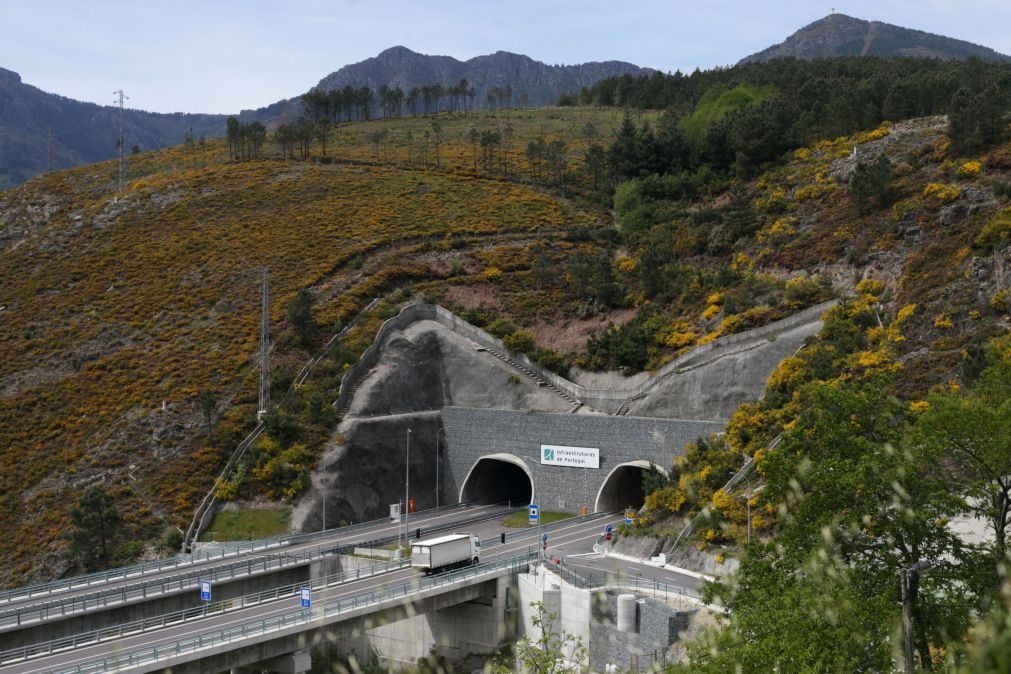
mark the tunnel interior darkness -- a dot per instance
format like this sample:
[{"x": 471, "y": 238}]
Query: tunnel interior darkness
[
  {"x": 495, "y": 480},
  {"x": 622, "y": 489}
]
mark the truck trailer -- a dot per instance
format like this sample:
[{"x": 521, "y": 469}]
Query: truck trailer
[{"x": 446, "y": 552}]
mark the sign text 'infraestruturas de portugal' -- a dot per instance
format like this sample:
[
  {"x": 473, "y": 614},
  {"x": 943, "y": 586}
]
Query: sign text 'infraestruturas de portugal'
[{"x": 574, "y": 457}]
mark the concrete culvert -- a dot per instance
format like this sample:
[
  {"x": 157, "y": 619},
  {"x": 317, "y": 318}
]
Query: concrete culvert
[
  {"x": 498, "y": 478},
  {"x": 622, "y": 488}
]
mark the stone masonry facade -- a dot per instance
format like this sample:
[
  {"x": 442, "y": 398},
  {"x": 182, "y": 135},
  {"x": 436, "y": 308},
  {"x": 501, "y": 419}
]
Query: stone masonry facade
[{"x": 471, "y": 434}]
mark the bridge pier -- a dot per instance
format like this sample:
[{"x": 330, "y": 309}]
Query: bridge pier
[
  {"x": 472, "y": 620},
  {"x": 292, "y": 663}
]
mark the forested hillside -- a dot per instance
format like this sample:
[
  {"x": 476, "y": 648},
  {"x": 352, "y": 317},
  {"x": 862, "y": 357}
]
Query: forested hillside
[
  {"x": 894, "y": 422},
  {"x": 597, "y": 238}
]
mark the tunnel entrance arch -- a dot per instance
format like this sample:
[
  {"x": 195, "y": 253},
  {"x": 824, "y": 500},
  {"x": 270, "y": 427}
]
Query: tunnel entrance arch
[
  {"x": 498, "y": 477},
  {"x": 622, "y": 488}
]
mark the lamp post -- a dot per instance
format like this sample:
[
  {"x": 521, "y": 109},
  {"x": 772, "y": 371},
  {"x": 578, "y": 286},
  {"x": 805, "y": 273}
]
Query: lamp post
[
  {"x": 907, "y": 611},
  {"x": 438, "y": 460},
  {"x": 323, "y": 494},
  {"x": 407, "y": 489}
]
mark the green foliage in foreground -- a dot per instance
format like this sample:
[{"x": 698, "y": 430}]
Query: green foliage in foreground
[{"x": 866, "y": 487}]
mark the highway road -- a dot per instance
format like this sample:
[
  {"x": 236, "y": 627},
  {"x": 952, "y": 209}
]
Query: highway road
[
  {"x": 575, "y": 535},
  {"x": 134, "y": 587}
]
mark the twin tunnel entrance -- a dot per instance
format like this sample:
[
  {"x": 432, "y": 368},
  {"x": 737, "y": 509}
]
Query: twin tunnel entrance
[
  {"x": 499, "y": 477},
  {"x": 505, "y": 477}
]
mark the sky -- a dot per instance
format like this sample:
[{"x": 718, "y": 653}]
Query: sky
[{"x": 223, "y": 56}]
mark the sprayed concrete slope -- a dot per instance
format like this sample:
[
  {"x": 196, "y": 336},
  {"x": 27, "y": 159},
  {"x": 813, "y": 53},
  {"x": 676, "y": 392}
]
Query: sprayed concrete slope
[{"x": 427, "y": 359}]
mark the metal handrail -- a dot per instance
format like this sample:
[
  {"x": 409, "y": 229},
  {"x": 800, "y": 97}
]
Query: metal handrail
[
  {"x": 207, "y": 554},
  {"x": 622, "y": 580},
  {"x": 166, "y": 619},
  {"x": 313, "y": 616},
  {"x": 58, "y": 608}
]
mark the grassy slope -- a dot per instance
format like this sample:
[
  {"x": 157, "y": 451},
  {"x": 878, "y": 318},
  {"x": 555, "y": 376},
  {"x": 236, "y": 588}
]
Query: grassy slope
[
  {"x": 112, "y": 310},
  {"x": 117, "y": 315},
  {"x": 247, "y": 524}
]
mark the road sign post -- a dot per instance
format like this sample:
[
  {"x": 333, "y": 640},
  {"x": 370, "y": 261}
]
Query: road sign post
[
  {"x": 306, "y": 597},
  {"x": 205, "y": 590}
]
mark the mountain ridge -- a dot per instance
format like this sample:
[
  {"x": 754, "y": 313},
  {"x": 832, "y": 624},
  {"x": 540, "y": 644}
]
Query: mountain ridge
[
  {"x": 85, "y": 132},
  {"x": 400, "y": 66},
  {"x": 838, "y": 35}
]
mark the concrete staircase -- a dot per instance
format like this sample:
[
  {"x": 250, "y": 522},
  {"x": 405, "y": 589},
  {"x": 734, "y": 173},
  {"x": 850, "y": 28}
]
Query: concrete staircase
[
  {"x": 623, "y": 410},
  {"x": 536, "y": 378},
  {"x": 343, "y": 403}
]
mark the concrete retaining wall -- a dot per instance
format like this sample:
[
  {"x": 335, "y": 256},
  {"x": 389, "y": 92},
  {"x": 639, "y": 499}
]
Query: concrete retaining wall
[
  {"x": 419, "y": 312},
  {"x": 472, "y": 434}
]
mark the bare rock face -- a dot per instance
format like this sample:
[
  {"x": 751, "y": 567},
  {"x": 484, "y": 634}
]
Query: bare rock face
[
  {"x": 712, "y": 391},
  {"x": 423, "y": 369},
  {"x": 363, "y": 473},
  {"x": 902, "y": 139},
  {"x": 427, "y": 367}
]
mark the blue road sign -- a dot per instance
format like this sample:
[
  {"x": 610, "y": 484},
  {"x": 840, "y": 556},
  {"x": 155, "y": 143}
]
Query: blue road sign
[
  {"x": 544, "y": 538},
  {"x": 205, "y": 590},
  {"x": 535, "y": 513},
  {"x": 306, "y": 597},
  {"x": 609, "y": 529}
]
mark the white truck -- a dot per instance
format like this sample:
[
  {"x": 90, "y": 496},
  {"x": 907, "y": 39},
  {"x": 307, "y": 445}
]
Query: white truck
[{"x": 446, "y": 552}]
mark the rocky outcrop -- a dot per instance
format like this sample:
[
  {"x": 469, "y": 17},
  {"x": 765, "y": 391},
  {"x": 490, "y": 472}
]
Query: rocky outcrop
[
  {"x": 427, "y": 367},
  {"x": 543, "y": 84},
  {"x": 839, "y": 35}
]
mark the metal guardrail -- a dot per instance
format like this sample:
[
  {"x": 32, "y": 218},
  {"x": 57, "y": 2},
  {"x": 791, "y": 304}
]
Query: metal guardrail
[
  {"x": 175, "y": 617},
  {"x": 745, "y": 470},
  {"x": 327, "y": 611},
  {"x": 120, "y": 573},
  {"x": 58, "y": 608},
  {"x": 204, "y": 509},
  {"x": 219, "y": 551},
  {"x": 636, "y": 583}
]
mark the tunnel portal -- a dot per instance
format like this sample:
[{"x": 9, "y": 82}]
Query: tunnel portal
[
  {"x": 498, "y": 478},
  {"x": 623, "y": 488}
]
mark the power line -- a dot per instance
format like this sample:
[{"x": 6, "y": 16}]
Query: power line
[
  {"x": 120, "y": 141},
  {"x": 265, "y": 348}
]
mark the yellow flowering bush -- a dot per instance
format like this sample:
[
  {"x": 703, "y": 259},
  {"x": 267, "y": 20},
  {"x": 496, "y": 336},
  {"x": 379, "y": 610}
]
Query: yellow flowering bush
[
  {"x": 970, "y": 169},
  {"x": 942, "y": 193},
  {"x": 999, "y": 301},
  {"x": 870, "y": 286},
  {"x": 779, "y": 230}
]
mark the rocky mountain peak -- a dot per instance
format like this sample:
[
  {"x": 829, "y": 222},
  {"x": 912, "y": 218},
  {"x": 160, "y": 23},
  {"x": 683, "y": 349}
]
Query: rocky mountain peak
[
  {"x": 840, "y": 35},
  {"x": 9, "y": 76}
]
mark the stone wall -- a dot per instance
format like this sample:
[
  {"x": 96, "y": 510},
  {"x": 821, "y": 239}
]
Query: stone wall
[
  {"x": 658, "y": 626},
  {"x": 472, "y": 433}
]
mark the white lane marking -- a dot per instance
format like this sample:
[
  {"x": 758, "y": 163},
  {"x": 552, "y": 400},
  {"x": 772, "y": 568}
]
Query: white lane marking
[
  {"x": 583, "y": 530},
  {"x": 168, "y": 575},
  {"x": 214, "y": 622}
]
